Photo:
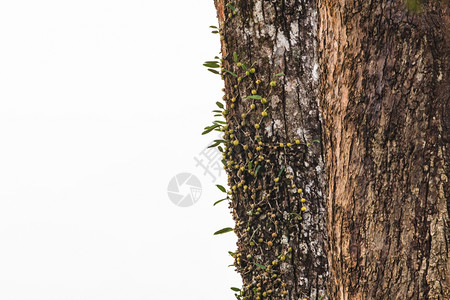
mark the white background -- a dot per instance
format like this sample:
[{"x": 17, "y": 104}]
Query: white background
[{"x": 102, "y": 102}]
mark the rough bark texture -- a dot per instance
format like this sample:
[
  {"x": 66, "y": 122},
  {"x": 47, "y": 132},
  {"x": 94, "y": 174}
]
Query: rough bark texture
[
  {"x": 280, "y": 251},
  {"x": 384, "y": 92}
]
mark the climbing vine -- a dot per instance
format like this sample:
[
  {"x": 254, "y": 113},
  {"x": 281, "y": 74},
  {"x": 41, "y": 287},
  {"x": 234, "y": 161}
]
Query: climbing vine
[{"x": 261, "y": 180}]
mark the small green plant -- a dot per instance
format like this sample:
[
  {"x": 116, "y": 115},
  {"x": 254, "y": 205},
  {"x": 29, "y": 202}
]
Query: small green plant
[{"x": 256, "y": 178}]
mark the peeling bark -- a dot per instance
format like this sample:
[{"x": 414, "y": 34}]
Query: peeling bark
[
  {"x": 277, "y": 36},
  {"x": 384, "y": 91}
]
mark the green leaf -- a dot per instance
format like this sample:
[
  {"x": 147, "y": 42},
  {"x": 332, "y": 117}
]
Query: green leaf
[
  {"x": 280, "y": 74},
  {"x": 220, "y": 148},
  {"x": 215, "y": 32},
  {"x": 210, "y": 128},
  {"x": 223, "y": 230},
  {"x": 250, "y": 165},
  {"x": 281, "y": 171},
  {"x": 218, "y": 201},
  {"x": 235, "y": 57},
  {"x": 235, "y": 289},
  {"x": 261, "y": 266},
  {"x": 220, "y": 105},
  {"x": 256, "y": 97},
  {"x": 212, "y": 26},
  {"x": 257, "y": 169},
  {"x": 244, "y": 67},
  {"x": 213, "y": 71},
  {"x": 212, "y": 65},
  {"x": 230, "y": 6},
  {"x": 220, "y": 187},
  {"x": 216, "y": 143},
  {"x": 234, "y": 74},
  {"x": 231, "y": 253},
  {"x": 220, "y": 122},
  {"x": 316, "y": 141}
]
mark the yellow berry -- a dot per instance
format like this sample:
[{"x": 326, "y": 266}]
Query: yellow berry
[
  {"x": 273, "y": 83},
  {"x": 239, "y": 79},
  {"x": 253, "y": 92},
  {"x": 275, "y": 262},
  {"x": 276, "y": 179},
  {"x": 269, "y": 243},
  {"x": 252, "y": 70},
  {"x": 253, "y": 106},
  {"x": 257, "y": 126},
  {"x": 288, "y": 144},
  {"x": 245, "y": 147},
  {"x": 299, "y": 191},
  {"x": 235, "y": 142},
  {"x": 247, "y": 73},
  {"x": 297, "y": 142},
  {"x": 263, "y": 100},
  {"x": 233, "y": 99},
  {"x": 264, "y": 114},
  {"x": 239, "y": 64},
  {"x": 303, "y": 208},
  {"x": 258, "y": 81},
  {"x": 281, "y": 145},
  {"x": 282, "y": 258},
  {"x": 303, "y": 200}
]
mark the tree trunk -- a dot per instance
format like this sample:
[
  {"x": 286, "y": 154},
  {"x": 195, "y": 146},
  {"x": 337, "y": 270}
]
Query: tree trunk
[
  {"x": 281, "y": 246},
  {"x": 384, "y": 91}
]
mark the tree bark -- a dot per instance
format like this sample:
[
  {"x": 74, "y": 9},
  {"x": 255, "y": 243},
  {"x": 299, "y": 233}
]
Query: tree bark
[
  {"x": 281, "y": 248},
  {"x": 384, "y": 93}
]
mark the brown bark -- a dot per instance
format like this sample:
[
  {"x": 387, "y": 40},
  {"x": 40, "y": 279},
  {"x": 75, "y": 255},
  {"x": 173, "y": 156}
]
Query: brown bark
[
  {"x": 275, "y": 36},
  {"x": 384, "y": 91}
]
